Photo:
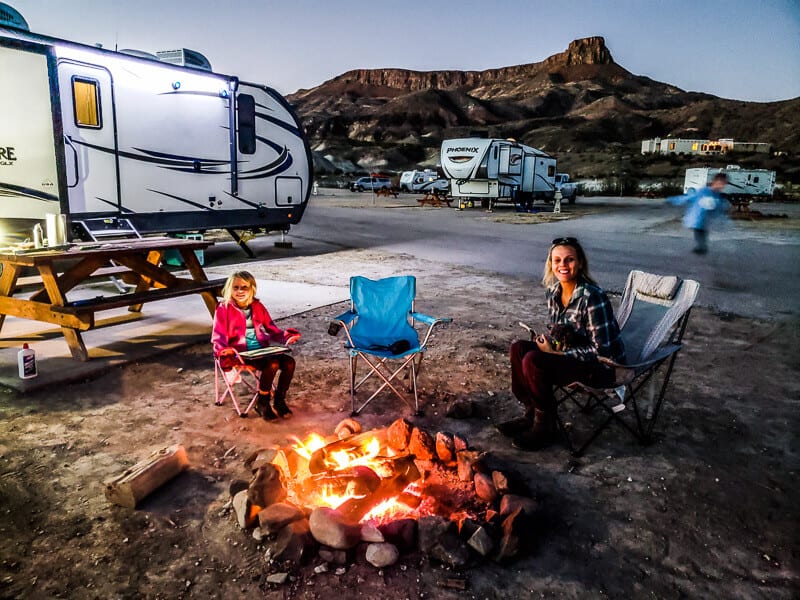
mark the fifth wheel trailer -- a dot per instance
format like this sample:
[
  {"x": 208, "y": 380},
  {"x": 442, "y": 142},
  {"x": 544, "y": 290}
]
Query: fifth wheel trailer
[
  {"x": 743, "y": 184},
  {"x": 95, "y": 134},
  {"x": 498, "y": 170}
]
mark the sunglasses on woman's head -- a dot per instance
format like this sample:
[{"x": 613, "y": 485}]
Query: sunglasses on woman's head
[{"x": 564, "y": 240}]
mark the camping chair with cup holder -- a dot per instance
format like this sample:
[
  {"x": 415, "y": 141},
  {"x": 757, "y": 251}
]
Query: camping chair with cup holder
[
  {"x": 380, "y": 332},
  {"x": 652, "y": 316}
]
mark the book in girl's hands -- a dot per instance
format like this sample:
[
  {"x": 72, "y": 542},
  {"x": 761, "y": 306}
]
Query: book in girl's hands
[{"x": 266, "y": 351}]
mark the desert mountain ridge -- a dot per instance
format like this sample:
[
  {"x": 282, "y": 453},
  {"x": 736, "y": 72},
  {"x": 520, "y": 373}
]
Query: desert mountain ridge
[{"x": 575, "y": 101}]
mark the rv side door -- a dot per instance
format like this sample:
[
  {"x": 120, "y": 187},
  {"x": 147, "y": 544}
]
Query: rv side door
[{"x": 90, "y": 141}]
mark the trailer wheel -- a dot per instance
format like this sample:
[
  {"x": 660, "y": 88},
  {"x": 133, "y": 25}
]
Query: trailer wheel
[{"x": 571, "y": 199}]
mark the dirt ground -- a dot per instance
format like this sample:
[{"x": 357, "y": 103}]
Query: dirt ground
[{"x": 708, "y": 510}]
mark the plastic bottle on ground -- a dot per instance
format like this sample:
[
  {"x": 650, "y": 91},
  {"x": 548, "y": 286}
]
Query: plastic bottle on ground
[{"x": 26, "y": 360}]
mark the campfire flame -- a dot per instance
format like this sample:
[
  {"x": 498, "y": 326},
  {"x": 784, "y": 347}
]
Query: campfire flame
[{"x": 352, "y": 472}]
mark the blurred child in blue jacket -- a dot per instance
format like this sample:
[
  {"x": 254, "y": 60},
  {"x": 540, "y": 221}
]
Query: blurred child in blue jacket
[{"x": 701, "y": 207}]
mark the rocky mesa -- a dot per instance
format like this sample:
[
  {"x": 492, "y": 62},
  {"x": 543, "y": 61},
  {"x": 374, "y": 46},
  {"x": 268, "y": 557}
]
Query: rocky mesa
[{"x": 576, "y": 101}]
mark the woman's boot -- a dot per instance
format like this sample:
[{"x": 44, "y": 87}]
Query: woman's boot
[{"x": 543, "y": 432}]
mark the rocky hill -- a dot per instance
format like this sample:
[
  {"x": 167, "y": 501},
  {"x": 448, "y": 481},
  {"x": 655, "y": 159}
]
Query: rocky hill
[{"x": 577, "y": 101}]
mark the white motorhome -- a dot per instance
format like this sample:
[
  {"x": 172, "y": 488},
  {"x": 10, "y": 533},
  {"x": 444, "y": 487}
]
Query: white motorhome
[
  {"x": 422, "y": 181},
  {"x": 743, "y": 184},
  {"x": 498, "y": 170},
  {"x": 94, "y": 133}
]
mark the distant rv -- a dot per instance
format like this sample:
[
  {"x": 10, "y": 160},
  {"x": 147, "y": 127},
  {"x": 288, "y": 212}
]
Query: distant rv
[
  {"x": 498, "y": 170},
  {"x": 171, "y": 146},
  {"x": 743, "y": 184}
]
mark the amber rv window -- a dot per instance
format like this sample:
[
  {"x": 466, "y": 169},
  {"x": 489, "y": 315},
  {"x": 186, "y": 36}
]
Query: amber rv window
[
  {"x": 87, "y": 103},
  {"x": 551, "y": 171},
  {"x": 247, "y": 123}
]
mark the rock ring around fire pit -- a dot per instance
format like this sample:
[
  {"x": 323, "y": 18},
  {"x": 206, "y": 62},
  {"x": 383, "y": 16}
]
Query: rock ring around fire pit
[{"x": 390, "y": 490}]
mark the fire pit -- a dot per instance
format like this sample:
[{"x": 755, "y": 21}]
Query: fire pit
[{"x": 395, "y": 489}]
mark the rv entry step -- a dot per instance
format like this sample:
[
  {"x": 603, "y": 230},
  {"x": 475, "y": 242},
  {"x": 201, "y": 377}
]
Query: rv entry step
[{"x": 105, "y": 228}]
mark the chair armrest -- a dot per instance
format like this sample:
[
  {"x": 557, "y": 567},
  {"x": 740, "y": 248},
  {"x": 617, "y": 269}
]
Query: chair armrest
[
  {"x": 655, "y": 357},
  {"x": 346, "y": 317},
  {"x": 428, "y": 320}
]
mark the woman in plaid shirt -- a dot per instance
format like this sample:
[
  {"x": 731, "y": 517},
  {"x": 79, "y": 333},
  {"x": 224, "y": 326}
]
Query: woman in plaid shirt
[{"x": 576, "y": 305}]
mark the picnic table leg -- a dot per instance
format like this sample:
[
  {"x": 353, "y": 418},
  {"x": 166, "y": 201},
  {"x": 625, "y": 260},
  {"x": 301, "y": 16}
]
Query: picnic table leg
[
  {"x": 198, "y": 274},
  {"x": 8, "y": 280},
  {"x": 145, "y": 283},
  {"x": 73, "y": 337},
  {"x": 75, "y": 342}
]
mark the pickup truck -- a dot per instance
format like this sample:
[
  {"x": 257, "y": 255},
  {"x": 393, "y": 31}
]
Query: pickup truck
[
  {"x": 569, "y": 190},
  {"x": 371, "y": 183}
]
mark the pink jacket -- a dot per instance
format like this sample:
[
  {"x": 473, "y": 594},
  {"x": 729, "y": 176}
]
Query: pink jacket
[{"x": 230, "y": 327}]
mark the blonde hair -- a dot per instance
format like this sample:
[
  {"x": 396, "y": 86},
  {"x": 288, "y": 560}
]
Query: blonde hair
[
  {"x": 227, "y": 289},
  {"x": 549, "y": 278}
]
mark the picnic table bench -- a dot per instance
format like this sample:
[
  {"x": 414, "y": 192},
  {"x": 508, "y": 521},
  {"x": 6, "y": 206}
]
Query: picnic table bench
[
  {"x": 138, "y": 262},
  {"x": 434, "y": 199}
]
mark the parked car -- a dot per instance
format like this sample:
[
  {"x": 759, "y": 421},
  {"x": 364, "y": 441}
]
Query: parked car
[{"x": 370, "y": 183}]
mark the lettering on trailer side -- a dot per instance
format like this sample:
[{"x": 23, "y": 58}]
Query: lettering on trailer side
[
  {"x": 473, "y": 149},
  {"x": 7, "y": 156}
]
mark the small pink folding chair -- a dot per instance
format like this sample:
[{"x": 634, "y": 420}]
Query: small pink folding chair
[{"x": 235, "y": 371}]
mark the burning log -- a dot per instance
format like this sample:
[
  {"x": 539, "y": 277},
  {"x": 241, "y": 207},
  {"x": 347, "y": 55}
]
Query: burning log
[
  {"x": 136, "y": 483},
  {"x": 406, "y": 472},
  {"x": 357, "y": 481},
  {"x": 292, "y": 463},
  {"x": 369, "y": 443}
]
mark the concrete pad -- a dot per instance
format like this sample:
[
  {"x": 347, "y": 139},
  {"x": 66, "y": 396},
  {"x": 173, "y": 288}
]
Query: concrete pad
[{"x": 121, "y": 336}]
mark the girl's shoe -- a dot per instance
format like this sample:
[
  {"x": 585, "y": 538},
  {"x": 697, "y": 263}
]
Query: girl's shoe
[
  {"x": 263, "y": 408},
  {"x": 281, "y": 408}
]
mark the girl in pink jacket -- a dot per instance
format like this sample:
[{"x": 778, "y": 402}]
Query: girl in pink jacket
[{"x": 241, "y": 323}]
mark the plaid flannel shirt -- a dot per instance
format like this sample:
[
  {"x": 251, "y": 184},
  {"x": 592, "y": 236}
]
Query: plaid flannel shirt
[{"x": 589, "y": 312}]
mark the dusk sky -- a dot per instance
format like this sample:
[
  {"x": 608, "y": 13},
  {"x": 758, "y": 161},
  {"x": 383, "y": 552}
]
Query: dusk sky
[{"x": 740, "y": 49}]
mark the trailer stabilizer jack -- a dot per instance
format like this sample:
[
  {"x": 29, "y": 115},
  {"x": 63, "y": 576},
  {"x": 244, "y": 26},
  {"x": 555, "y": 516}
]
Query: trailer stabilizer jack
[{"x": 242, "y": 243}]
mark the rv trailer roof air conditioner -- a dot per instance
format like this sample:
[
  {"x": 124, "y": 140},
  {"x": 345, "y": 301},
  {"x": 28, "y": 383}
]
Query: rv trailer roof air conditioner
[
  {"x": 185, "y": 58},
  {"x": 138, "y": 53},
  {"x": 10, "y": 17}
]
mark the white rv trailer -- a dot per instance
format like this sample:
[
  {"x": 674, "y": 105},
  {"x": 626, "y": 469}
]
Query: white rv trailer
[
  {"x": 498, "y": 170},
  {"x": 743, "y": 184},
  {"x": 94, "y": 133},
  {"x": 422, "y": 181}
]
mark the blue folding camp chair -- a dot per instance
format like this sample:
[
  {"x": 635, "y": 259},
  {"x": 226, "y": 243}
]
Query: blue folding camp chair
[{"x": 380, "y": 330}]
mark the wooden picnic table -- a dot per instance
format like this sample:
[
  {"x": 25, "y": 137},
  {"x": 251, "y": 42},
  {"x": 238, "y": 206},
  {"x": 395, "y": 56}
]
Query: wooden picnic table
[
  {"x": 434, "y": 199},
  {"x": 386, "y": 192},
  {"x": 61, "y": 270}
]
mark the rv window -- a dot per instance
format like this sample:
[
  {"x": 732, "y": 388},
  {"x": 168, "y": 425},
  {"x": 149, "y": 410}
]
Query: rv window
[
  {"x": 483, "y": 169},
  {"x": 755, "y": 179},
  {"x": 551, "y": 170},
  {"x": 495, "y": 152},
  {"x": 246, "y": 105},
  {"x": 87, "y": 103}
]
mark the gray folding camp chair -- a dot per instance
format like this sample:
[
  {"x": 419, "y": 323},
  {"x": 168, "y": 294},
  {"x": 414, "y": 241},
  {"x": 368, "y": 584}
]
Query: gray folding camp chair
[{"x": 652, "y": 317}]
